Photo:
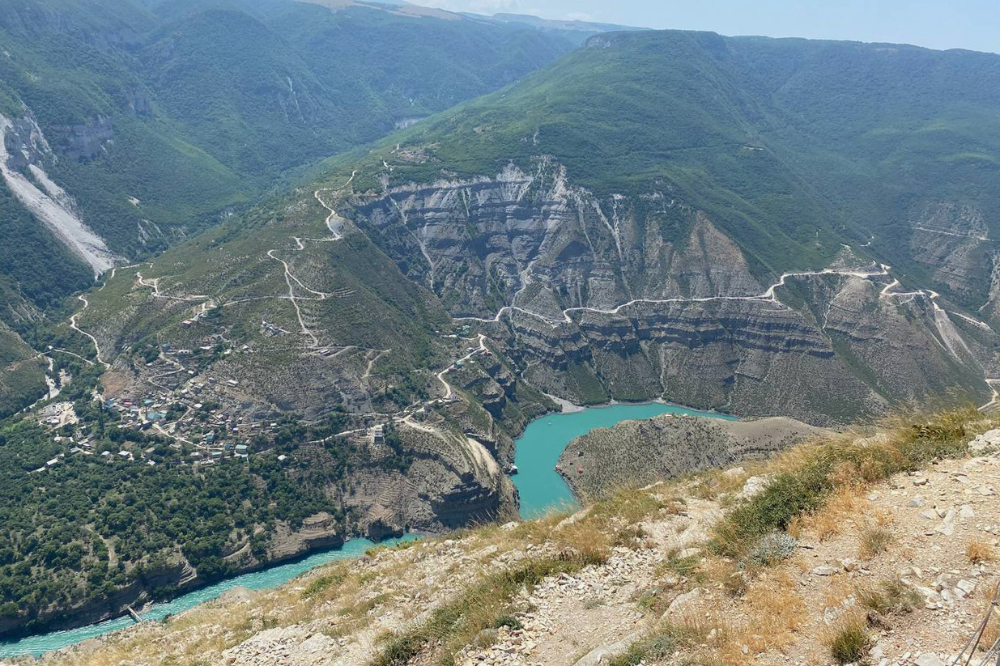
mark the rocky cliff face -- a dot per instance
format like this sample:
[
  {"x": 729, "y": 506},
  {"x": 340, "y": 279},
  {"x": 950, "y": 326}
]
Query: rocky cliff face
[
  {"x": 454, "y": 481},
  {"x": 85, "y": 141},
  {"x": 641, "y": 298},
  {"x": 952, "y": 241},
  {"x": 534, "y": 241}
]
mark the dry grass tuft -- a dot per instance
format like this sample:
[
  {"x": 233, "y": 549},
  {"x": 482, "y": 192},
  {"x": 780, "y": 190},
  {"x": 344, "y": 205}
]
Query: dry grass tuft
[
  {"x": 890, "y": 597},
  {"x": 875, "y": 540},
  {"x": 978, "y": 552},
  {"x": 843, "y": 506},
  {"x": 849, "y": 642},
  {"x": 661, "y": 644}
]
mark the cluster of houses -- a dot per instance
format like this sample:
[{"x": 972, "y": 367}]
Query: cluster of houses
[
  {"x": 201, "y": 412},
  {"x": 85, "y": 447},
  {"x": 57, "y": 414},
  {"x": 198, "y": 410}
]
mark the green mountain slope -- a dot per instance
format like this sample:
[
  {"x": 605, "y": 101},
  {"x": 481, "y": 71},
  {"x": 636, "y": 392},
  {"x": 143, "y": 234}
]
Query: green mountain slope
[
  {"x": 171, "y": 118},
  {"x": 664, "y": 111},
  {"x": 157, "y": 119},
  {"x": 791, "y": 146},
  {"x": 889, "y": 134},
  {"x": 21, "y": 374}
]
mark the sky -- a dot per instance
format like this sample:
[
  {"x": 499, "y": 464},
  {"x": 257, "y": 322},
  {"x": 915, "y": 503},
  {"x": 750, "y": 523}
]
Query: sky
[{"x": 939, "y": 24}]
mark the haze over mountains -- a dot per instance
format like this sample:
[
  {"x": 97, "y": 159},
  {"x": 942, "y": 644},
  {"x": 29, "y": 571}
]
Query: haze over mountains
[{"x": 762, "y": 227}]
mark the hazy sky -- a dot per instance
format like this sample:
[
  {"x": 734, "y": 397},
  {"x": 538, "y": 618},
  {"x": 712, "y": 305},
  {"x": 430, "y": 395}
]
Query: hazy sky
[{"x": 970, "y": 24}]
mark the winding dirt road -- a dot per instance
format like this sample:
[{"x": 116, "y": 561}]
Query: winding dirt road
[{"x": 72, "y": 325}]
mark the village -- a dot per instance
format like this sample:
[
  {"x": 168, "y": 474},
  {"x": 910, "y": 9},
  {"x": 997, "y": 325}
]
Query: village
[{"x": 203, "y": 416}]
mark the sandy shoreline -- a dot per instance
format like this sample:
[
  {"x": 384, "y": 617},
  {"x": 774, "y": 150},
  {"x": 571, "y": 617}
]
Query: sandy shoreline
[{"x": 566, "y": 406}]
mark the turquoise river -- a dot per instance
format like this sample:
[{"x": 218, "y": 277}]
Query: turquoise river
[{"x": 540, "y": 486}]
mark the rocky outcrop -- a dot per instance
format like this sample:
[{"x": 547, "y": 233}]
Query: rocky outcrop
[
  {"x": 534, "y": 241},
  {"x": 845, "y": 350},
  {"x": 452, "y": 481},
  {"x": 952, "y": 241},
  {"x": 85, "y": 141},
  {"x": 636, "y": 453},
  {"x": 319, "y": 531}
]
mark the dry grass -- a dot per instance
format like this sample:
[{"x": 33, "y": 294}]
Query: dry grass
[
  {"x": 777, "y": 613},
  {"x": 874, "y": 540},
  {"x": 849, "y": 640},
  {"x": 456, "y": 623},
  {"x": 666, "y": 639},
  {"x": 836, "y": 592},
  {"x": 841, "y": 509},
  {"x": 978, "y": 552},
  {"x": 991, "y": 634},
  {"x": 806, "y": 477},
  {"x": 767, "y": 618},
  {"x": 890, "y": 597}
]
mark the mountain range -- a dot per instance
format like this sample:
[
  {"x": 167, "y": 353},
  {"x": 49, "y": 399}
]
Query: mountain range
[{"x": 374, "y": 303}]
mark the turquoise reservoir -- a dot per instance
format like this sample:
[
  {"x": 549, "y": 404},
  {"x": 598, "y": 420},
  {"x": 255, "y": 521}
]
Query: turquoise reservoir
[{"x": 541, "y": 487}]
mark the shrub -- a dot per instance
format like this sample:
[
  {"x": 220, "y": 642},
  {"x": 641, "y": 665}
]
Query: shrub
[
  {"x": 978, "y": 552},
  {"x": 682, "y": 566},
  {"x": 508, "y": 621},
  {"x": 890, "y": 597},
  {"x": 772, "y": 549},
  {"x": 850, "y": 644},
  {"x": 658, "y": 647},
  {"x": 875, "y": 540},
  {"x": 323, "y": 583}
]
